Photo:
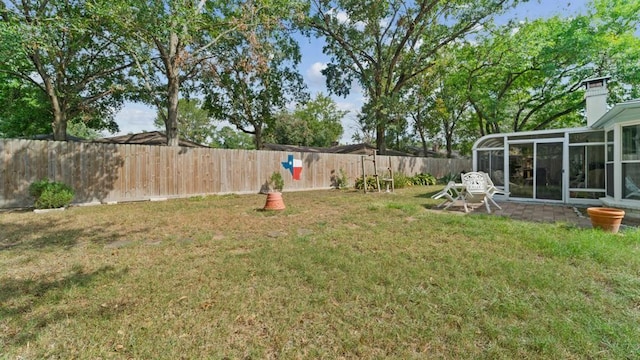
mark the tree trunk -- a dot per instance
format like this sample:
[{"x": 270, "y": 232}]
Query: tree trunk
[
  {"x": 59, "y": 124},
  {"x": 381, "y": 141},
  {"x": 449, "y": 147},
  {"x": 423, "y": 140},
  {"x": 172, "y": 68},
  {"x": 172, "y": 112},
  {"x": 257, "y": 137}
]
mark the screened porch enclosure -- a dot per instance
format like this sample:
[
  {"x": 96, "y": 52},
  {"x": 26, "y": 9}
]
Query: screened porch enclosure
[
  {"x": 545, "y": 166},
  {"x": 598, "y": 164}
]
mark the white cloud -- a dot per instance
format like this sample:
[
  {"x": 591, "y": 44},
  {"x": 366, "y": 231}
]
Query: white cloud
[
  {"x": 314, "y": 74},
  {"x": 383, "y": 23},
  {"x": 418, "y": 44},
  {"x": 347, "y": 106},
  {"x": 342, "y": 17},
  {"x": 135, "y": 118}
]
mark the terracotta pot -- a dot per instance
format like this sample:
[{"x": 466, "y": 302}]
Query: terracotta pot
[
  {"x": 607, "y": 219},
  {"x": 274, "y": 201}
]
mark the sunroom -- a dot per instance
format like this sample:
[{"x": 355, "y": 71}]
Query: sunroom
[{"x": 594, "y": 165}]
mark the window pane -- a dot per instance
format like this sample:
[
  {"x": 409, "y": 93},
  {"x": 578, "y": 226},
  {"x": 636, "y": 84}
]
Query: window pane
[
  {"x": 595, "y": 162},
  {"x": 631, "y": 142},
  {"x": 491, "y": 143},
  {"x": 592, "y": 136},
  {"x": 631, "y": 181},
  {"x": 577, "y": 168},
  {"x": 492, "y": 162},
  {"x": 536, "y": 136},
  {"x": 610, "y": 179},
  {"x": 521, "y": 170},
  {"x": 585, "y": 195},
  {"x": 610, "y": 145}
]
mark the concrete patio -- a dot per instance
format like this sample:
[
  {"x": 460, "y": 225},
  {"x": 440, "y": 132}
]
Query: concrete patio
[{"x": 539, "y": 212}]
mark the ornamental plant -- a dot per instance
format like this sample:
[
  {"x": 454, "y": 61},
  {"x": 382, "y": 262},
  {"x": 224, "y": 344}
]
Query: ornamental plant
[
  {"x": 276, "y": 182},
  {"x": 51, "y": 194}
]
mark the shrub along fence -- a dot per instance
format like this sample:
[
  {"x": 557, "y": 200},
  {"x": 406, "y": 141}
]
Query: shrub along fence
[{"x": 106, "y": 173}]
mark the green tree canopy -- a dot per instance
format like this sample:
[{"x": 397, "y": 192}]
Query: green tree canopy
[
  {"x": 194, "y": 123},
  {"x": 171, "y": 43},
  {"x": 256, "y": 75},
  {"x": 24, "y": 109},
  {"x": 529, "y": 76},
  {"x": 315, "y": 123},
  {"x": 228, "y": 138},
  {"x": 64, "y": 50},
  {"x": 384, "y": 45},
  {"x": 177, "y": 43}
]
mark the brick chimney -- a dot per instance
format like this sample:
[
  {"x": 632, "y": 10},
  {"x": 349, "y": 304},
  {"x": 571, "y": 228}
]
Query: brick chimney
[{"x": 596, "y": 97}]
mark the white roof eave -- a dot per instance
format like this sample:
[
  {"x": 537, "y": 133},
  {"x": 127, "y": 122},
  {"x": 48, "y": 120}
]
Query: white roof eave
[{"x": 625, "y": 111}]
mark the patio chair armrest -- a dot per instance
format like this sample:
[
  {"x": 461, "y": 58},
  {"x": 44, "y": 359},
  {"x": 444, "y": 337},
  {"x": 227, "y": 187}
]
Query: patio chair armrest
[{"x": 444, "y": 191}]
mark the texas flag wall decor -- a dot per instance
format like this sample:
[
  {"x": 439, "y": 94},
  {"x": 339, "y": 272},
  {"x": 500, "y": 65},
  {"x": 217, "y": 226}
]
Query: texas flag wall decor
[{"x": 294, "y": 166}]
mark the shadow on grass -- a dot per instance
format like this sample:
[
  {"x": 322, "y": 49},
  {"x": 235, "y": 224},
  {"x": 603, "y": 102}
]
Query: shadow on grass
[
  {"x": 427, "y": 195},
  {"x": 23, "y": 300},
  {"x": 56, "y": 233}
]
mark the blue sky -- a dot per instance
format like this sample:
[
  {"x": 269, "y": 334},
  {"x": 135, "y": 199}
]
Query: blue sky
[{"x": 135, "y": 117}]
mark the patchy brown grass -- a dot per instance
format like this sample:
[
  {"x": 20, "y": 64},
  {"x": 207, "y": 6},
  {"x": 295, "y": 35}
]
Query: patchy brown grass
[{"x": 339, "y": 274}]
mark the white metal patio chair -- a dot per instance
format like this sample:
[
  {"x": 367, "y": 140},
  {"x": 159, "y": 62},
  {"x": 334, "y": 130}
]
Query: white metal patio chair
[
  {"x": 477, "y": 190},
  {"x": 492, "y": 190},
  {"x": 450, "y": 193},
  {"x": 632, "y": 188}
]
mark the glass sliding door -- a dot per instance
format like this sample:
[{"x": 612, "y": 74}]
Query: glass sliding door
[
  {"x": 521, "y": 170},
  {"x": 548, "y": 171},
  {"x": 492, "y": 162},
  {"x": 535, "y": 170}
]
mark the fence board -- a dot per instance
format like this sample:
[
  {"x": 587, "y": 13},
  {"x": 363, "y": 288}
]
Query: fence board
[{"x": 110, "y": 172}]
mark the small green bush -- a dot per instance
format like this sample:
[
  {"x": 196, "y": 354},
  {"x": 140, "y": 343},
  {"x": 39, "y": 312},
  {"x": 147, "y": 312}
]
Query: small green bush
[
  {"x": 371, "y": 183},
  {"x": 449, "y": 177},
  {"x": 401, "y": 180},
  {"x": 51, "y": 194},
  {"x": 424, "y": 179},
  {"x": 276, "y": 182},
  {"x": 342, "y": 180}
]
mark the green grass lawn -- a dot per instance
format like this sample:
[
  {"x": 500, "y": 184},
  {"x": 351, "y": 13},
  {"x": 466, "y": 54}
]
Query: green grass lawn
[{"x": 339, "y": 274}]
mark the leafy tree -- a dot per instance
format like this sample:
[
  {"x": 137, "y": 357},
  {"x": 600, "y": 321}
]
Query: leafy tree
[
  {"x": 385, "y": 45},
  {"x": 170, "y": 43},
  {"x": 529, "y": 77},
  {"x": 315, "y": 123},
  {"x": 24, "y": 109},
  {"x": 25, "y": 112},
  {"x": 365, "y": 132},
  {"x": 194, "y": 123},
  {"x": 228, "y": 138},
  {"x": 65, "y": 51},
  {"x": 175, "y": 43},
  {"x": 617, "y": 23},
  {"x": 438, "y": 104},
  {"x": 80, "y": 130},
  {"x": 255, "y": 75}
]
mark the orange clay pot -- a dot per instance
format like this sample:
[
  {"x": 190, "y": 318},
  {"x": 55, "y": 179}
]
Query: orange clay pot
[
  {"x": 607, "y": 219},
  {"x": 274, "y": 201}
]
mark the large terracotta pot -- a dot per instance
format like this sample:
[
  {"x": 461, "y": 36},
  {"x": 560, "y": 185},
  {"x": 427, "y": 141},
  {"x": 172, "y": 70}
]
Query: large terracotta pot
[
  {"x": 607, "y": 219},
  {"x": 274, "y": 201}
]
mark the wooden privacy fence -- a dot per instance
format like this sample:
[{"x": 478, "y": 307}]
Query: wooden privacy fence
[{"x": 115, "y": 173}]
